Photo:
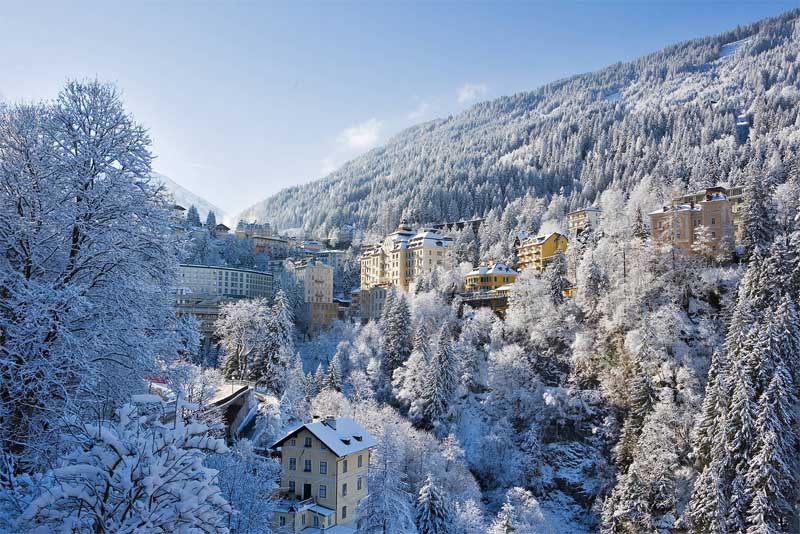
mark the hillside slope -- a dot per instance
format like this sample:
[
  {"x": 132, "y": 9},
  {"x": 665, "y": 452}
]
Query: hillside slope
[
  {"x": 186, "y": 198},
  {"x": 671, "y": 114}
]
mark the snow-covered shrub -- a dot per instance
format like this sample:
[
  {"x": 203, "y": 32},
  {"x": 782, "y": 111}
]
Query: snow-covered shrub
[{"x": 141, "y": 472}]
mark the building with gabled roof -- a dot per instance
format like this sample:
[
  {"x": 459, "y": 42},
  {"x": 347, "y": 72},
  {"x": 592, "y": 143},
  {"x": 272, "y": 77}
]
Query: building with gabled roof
[
  {"x": 489, "y": 276},
  {"x": 403, "y": 256},
  {"x": 324, "y": 470},
  {"x": 537, "y": 251},
  {"x": 705, "y": 218},
  {"x": 579, "y": 221}
]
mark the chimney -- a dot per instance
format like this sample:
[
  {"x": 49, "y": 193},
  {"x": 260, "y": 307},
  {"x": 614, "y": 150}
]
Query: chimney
[{"x": 330, "y": 421}]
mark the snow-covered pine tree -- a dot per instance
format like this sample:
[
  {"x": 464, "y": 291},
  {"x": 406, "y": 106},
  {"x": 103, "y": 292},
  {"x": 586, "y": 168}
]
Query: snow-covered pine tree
[
  {"x": 193, "y": 217},
  {"x": 439, "y": 386},
  {"x": 396, "y": 323},
  {"x": 333, "y": 379},
  {"x": 211, "y": 221},
  {"x": 387, "y": 508},
  {"x": 772, "y": 474},
  {"x": 757, "y": 214},
  {"x": 504, "y": 523},
  {"x": 432, "y": 510},
  {"x": 556, "y": 275},
  {"x": 319, "y": 379}
]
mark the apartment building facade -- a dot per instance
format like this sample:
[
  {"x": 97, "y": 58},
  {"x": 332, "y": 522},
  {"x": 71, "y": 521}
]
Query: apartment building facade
[
  {"x": 581, "y": 220},
  {"x": 710, "y": 215},
  {"x": 402, "y": 256},
  {"x": 489, "y": 276},
  {"x": 537, "y": 251},
  {"x": 202, "y": 290},
  {"x": 324, "y": 472}
]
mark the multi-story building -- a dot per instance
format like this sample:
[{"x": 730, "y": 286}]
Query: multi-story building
[
  {"x": 681, "y": 223},
  {"x": 495, "y": 299},
  {"x": 264, "y": 241},
  {"x": 245, "y": 230},
  {"x": 367, "y": 304},
  {"x": 331, "y": 257},
  {"x": 221, "y": 230},
  {"x": 202, "y": 290},
  {"x": 316, "y": 280},
  {"x": 581, "y": 220},
  {"x": 324, "y": 471},
  {"x": 537, "y": 251},
  {"x": 402, "y": 256},
  {"x": 489, "y": 276},
  {"x": 735, "y": 197}
]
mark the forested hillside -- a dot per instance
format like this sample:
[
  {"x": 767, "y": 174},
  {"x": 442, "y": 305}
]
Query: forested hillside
[{"x": 671, "y": 114}]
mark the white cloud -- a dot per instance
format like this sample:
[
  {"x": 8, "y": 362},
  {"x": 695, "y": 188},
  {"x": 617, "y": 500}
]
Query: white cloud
[
  {"x": 471, "y": 91},
  {"x": 327, "y": 166},
  {"x": 421, "y": 111},
  {"x": 362, "y": 136}
]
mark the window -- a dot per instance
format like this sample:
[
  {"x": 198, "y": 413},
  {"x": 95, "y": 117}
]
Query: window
[
  {"x": 323, "y": 491},
  {"x": 293, "y": 443},
  {"x": 344, "y": 466},
  {"x": 304, "y": 518},
  {"x": 316, "y": 521},
  {"x": 359, "y": 484},
  {"x": 323, "y": 468},
  {"x": 307, "y": 443},
  {"x": 344, "y": 512},
  {"x": 307, "y": 466},
  {"x": 344, "y": 489},
  {"x": 713, "y": 220},
  {"x": 360, "y": 461},
  {"x": 291, "y": 485},
  {"x": 292, "y": 464},
  {"x": 283, "y": 521}
]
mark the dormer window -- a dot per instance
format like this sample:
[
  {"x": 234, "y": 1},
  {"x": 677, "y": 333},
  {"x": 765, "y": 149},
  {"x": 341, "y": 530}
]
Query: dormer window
[
  {"x": 346, "y": 441},
  {"x": 358, "y": 438}
]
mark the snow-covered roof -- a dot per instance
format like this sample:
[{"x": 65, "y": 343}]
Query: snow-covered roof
[
  {"x": 538, "y": 240},
  {"x": 494, "y": 268},
  {"x": 341, "y": 435},
  {"x": 676, "y": 207},
  {"x": 590, "y": 208},
  {"x": 505, "y": 287},
  {"x": 429, "y": 237}
]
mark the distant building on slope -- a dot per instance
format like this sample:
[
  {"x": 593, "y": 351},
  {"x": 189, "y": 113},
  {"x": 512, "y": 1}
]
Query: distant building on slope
[
  {"x": 711, "y": 213},
  {"x": 316, "y": 279},
  {"x": 324, "y": 471},
  {"x": 538, "y": 251},
  {"x": 489, "y": 276},
  {"x": 202, "y": 290},
  {"x": 403, "y": 256},
  {"x": 221, "y": 230},
  {"x": 581, "y": 220}
]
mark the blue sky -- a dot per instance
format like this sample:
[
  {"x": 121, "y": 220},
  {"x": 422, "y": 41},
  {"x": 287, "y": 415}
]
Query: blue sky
[{"x": 243, "y": 99}]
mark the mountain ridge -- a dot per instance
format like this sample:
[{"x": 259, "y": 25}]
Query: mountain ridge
[{"x": 656, "y": 115}]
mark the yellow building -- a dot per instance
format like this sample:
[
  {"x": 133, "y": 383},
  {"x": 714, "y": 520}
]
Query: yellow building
[
  {"x": 324, "y": 470},
  {"x": 402, "y": 256},
  {"x": 316, "y": 280},
  {"x": 581, "y": 220},
  {"x": 489, "y": 276},
  {"x": 537, "y": 251},
  {"x": 681, "y": 223}
]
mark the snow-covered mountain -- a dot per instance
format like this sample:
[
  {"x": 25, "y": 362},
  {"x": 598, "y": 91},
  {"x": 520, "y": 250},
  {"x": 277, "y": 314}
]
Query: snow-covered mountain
[
  {"x": 672, "y": 114},
  {"x": 186, "y": 198}
]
